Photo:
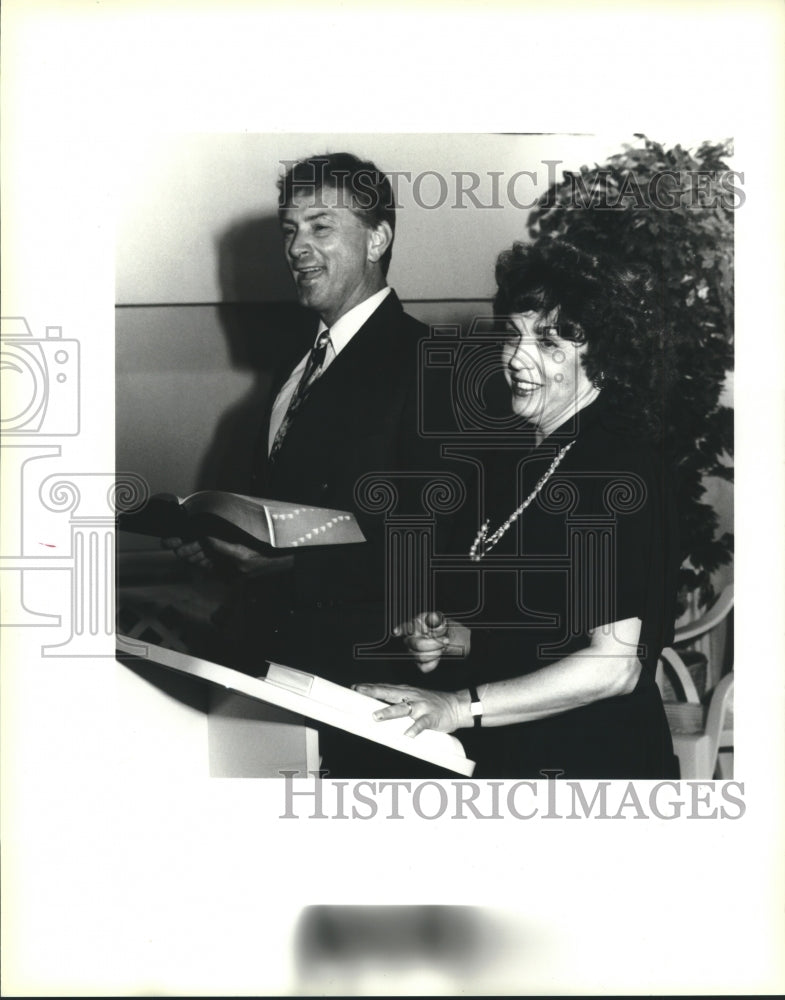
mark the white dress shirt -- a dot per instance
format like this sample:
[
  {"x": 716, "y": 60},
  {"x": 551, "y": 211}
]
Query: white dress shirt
[{"x": 341, "y": 332}]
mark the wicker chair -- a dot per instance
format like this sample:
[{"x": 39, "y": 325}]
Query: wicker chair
[{"x": 700, "y": 730}]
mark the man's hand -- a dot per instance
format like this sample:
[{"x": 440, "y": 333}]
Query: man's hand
[
  {"x": 214, "y": 553},
  {"x": 190, "y": 552},
  {"x": 429, "y": 636},
  {"x": 247, "y": 561}
]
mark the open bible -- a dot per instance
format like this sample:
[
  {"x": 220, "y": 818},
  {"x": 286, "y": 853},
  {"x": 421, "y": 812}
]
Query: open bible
[{"x": 237, "y": 518}]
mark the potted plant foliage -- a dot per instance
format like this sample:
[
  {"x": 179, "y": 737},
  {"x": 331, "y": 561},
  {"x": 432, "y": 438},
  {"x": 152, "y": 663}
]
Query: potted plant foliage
[{"x": 672, "y": 210}]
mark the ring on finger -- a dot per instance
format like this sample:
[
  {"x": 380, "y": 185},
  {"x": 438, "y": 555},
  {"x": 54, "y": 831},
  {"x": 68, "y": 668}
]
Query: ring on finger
[{"x": 408, "y": 704}]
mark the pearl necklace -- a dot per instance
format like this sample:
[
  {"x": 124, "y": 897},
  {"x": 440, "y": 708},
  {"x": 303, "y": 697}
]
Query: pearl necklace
[{"x": 482, "y": 544}]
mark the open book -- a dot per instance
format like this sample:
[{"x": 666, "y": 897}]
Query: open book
[
  {"x": 237, "y": 518},
  {"x": 317, "y": 698}
]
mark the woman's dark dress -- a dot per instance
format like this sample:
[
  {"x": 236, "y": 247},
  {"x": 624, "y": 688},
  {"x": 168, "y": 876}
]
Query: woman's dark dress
[{"x": 597, "y": 545}]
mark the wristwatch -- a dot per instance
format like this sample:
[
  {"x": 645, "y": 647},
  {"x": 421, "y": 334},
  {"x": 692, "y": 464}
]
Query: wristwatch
[{"x": 475, "y": 706}]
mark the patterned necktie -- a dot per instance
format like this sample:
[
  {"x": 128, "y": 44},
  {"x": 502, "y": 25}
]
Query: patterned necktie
[{"x": 313, "y": 368}]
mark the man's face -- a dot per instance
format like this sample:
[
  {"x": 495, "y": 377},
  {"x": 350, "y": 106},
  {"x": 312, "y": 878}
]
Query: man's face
[{"x": 332, "y": 255}]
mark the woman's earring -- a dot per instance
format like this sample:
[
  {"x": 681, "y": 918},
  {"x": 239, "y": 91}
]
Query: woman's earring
[{"x": 599, "y": 381}]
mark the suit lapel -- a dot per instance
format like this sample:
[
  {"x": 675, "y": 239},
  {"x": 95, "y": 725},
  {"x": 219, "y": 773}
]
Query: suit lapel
[
  {"x": 354, "y": 376},
  {"x": 341, "y": 399},
  {"x": 292, "y": 355}
]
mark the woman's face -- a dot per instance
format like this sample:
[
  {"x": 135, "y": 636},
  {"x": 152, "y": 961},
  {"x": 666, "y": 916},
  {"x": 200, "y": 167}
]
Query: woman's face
[{"x": 544, "y": 372}]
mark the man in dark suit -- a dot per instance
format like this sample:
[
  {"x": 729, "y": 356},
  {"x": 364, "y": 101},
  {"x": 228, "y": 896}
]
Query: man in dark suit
[{"x": 344, "y": 407}]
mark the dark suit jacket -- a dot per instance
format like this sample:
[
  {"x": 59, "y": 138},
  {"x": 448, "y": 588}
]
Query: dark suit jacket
[{"x": 360, "y": 417}]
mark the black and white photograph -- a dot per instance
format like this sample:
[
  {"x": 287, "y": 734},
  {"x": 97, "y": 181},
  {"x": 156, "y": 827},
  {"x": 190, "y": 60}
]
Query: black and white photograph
[
  {"x": 453, "y": 413},
  {"x": 375, "y": 488}
]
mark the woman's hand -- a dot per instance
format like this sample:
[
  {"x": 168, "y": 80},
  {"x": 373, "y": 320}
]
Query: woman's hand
[
  {"x": 444, "y": 711},
  {"x": 429, "y": 636}
]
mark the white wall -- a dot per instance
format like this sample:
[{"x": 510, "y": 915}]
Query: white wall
[{"x": 179, "y": 194}]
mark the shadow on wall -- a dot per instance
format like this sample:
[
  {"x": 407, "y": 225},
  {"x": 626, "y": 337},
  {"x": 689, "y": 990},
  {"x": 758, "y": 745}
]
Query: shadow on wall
[
  {"x": 264, "y": 329},
  {"x": 251, "y": 262}
]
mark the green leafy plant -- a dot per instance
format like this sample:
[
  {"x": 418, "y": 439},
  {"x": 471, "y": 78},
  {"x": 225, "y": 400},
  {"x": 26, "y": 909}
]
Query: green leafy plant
[{"x": 672, "y": 209}]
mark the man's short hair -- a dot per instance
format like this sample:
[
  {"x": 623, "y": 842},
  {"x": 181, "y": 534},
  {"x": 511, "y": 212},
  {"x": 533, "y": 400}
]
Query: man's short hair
[{"x": 361, "y": 187}]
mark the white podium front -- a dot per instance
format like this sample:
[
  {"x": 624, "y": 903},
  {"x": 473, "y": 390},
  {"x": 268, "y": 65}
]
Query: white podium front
[{"x": 303, "y": 695}]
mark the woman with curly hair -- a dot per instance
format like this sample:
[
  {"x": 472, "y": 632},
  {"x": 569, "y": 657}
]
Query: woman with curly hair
[{"x": 578, "y": 551}]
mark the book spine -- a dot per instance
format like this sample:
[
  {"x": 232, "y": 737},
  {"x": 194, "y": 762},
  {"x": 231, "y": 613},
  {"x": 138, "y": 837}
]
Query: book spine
[{"x": 270, "y": 526}]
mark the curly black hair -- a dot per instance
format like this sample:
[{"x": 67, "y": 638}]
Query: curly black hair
[{"x": 610, "y": 306}]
